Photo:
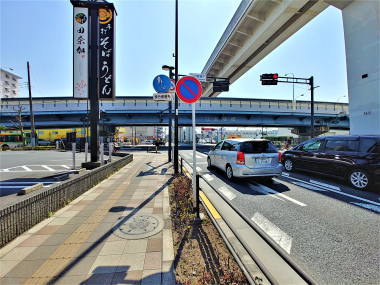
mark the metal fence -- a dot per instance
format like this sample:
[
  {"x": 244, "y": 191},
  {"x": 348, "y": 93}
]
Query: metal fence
[{"x": 23, "y": 215}]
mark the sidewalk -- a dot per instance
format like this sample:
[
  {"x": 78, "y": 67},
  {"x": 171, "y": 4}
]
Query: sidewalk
[{"x": 116, "y": 233}]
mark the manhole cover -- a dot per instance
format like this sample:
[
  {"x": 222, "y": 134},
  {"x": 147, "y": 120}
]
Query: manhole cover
[{"x": 139, "y": 226}]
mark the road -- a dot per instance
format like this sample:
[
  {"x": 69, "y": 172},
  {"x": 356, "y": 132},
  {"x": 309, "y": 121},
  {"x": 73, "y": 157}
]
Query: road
[
  {"x": 329, "y": 229},
  {"x": 19, "y": 169}
]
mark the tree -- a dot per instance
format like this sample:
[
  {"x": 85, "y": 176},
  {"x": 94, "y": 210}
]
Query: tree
[{"x": 18, "y": 120}]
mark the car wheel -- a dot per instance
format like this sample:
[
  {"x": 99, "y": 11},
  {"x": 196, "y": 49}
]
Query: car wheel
[
  {"x": 359, "y": 179},
  {"x": 4, "y": 147},
  {"x": 229, "y": 172},
  {"x": 209, "y": 165},
  {"x": 288, "y": 164}
]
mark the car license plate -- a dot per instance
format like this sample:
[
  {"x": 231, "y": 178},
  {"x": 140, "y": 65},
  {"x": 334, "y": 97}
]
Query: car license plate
[{"x": 262, "y": 160}]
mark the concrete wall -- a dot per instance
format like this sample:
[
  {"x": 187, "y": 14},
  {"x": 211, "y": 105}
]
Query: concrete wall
[{"x": 361, "y": 19}]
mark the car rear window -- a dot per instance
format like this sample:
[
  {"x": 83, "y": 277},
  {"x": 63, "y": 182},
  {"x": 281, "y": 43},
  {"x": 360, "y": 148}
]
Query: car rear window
[
  {"x": 258, "y": 147},
  {"x": 369, "y": 145},
  {"x": 342, "y": 145}
]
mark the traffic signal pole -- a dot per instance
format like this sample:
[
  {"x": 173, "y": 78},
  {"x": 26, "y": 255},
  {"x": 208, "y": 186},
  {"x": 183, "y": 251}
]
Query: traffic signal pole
[
  {"x": 311, "y": 82},
  {"x": 273, "y": 79}
]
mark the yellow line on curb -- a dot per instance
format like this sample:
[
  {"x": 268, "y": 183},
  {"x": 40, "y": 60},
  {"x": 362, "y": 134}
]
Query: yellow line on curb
[{"x": 210, "y": 207}]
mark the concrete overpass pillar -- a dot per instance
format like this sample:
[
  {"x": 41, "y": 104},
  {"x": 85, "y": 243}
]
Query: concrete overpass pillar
[{"x": 361, "y": 23}]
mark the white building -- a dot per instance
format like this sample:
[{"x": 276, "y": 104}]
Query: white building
[{"x": 8, "y": 84}]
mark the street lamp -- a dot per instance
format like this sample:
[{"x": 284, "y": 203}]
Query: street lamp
[
  {"x": 171, "y": 75},
  {"x": 293, "y": 89}
]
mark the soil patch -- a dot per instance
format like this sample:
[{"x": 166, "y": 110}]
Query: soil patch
[{"x": 201, "y": 254}]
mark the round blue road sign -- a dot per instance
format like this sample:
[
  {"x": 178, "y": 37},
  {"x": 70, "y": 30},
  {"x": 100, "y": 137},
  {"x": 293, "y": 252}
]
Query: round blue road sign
[{"x": 162, "y": 83}]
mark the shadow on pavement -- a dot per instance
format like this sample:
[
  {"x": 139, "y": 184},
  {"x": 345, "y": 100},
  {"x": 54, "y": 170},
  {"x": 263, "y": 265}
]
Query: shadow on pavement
[{"x": 106, "y": 235}]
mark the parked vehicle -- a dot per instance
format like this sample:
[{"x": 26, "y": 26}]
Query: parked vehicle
[
  {"x": 44, "y": 143},
  {"x": 246, "y": 158},
  {"x": 352, "y": 158}
]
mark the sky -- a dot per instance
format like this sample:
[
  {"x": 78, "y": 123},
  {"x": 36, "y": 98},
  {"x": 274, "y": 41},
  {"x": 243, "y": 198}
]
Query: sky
[{"x": 40, "y": 31}]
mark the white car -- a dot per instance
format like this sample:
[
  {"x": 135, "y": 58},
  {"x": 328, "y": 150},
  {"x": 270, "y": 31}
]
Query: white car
[{"x": 246, "y": 158}]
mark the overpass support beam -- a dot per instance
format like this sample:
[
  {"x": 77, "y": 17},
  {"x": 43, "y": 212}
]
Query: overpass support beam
[{"x": 361, "y": 23}]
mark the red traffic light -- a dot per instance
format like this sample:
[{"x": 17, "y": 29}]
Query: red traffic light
[{"x": 275, "y": 76}]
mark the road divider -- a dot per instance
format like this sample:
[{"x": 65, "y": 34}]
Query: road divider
[{"x": 29, "y": 189}]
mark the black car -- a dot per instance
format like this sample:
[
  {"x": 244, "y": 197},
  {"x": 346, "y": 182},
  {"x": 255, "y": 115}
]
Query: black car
[{"x": 352, "y": 158}]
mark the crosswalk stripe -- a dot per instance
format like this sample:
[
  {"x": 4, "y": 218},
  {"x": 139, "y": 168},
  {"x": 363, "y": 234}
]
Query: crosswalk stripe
[{"x": 48, "y": 168}]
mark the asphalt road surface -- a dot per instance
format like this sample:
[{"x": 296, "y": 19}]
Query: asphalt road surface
[
  {"x": 329, "y": 229},
  {"x": 19, "y": 169}
]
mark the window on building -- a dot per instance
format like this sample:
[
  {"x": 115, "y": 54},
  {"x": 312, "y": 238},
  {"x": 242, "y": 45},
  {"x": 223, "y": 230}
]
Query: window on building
[
  {"x": 13, "y": 85},
  {"x": 6, "y": 82},
  {"x": 6, "y": 76},
  {"x": 14, "y": 92},
  {"x": 6, "y": 89},
  {"x": 14, "y": 78}
]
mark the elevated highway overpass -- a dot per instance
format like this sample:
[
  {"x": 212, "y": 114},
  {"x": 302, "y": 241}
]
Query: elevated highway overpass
[
  {"x": 260, "y": 26},
  {"x": 126, "y": 111}
]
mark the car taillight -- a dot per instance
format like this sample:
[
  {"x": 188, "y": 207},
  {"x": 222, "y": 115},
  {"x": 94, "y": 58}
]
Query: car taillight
[
  {"x": 279, "y": 156},
  {"x": 240, "y": 159}
]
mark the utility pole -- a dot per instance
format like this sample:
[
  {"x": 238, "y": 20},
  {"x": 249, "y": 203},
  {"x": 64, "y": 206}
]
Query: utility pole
[
  {"x": 176, "y": 98},
  {"x": 33, "y": 129}
]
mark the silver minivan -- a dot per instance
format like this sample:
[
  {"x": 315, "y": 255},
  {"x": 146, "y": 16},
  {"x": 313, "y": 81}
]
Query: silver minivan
[{"x": 246, "y": 158}]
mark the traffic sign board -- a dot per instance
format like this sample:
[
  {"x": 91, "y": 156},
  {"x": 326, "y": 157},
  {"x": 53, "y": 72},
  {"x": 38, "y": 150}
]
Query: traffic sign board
[
  {"x": 161, "y": 83},
  {"x": 189, "y": 89},
  {"x": 200, "y": 76},
  {"x": 163, "y": 96}
]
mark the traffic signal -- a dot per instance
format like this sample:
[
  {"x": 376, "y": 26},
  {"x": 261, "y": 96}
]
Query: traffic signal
[
  {"x": 220, "y": 85},
  {"x": 269, "y": 78}
]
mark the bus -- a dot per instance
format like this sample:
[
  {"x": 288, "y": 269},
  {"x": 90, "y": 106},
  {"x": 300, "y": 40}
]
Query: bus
[{"x": 13, "y": 140}]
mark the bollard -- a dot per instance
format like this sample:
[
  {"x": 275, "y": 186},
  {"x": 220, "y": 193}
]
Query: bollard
[
  {"x": 73, "y": 147},
  {"x": 101, "y": 153},
  {"x": 57, "y": 144},
  {"x": 181, "y": 165},
  {"x": 110, "y": 148},
  {"x": 197, "y": 197},
  {"x": 85, "y": 151}
]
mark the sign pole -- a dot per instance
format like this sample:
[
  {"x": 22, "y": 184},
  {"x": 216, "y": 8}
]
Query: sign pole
[
  {"x": 93, "y": 85},
  {"x": 194, "y": 155}
]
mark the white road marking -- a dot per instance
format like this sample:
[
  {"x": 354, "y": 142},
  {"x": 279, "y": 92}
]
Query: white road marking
[
  {"x": 48, "y": 168},
  {"x": 269, "y": 190},
  {"x": 274, "y": 232},
  {"x": 208, "y": 177},
  {"x": 65, "y": 166},
  {"x": 285, "y": 174},
  {"x": 26, "y": 168},
  {"x": 368, "y": 206},
  {"x": 262, "y": 191},
  {"x": 324, "y": 184},
  {"x": 28, "y": 182},
  {"x": 199, "y": 169},
  {"x": 339, "y": 192},
  {"x": 19, "y": 186},
  {"x": 230, "y": 196},
  {"x": 311, "y": 187}
]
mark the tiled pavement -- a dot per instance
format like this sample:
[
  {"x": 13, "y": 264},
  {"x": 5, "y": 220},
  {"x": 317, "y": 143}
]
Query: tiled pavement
[{"x": 78, "y": 245}]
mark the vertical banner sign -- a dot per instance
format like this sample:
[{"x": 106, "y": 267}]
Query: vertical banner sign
[
  {"x": 106, "y": 54},
  {"x": 80, "y": 52}
]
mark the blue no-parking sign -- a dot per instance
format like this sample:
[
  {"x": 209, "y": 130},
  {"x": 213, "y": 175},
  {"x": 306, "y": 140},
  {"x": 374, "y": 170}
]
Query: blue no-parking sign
[
  {"x": 189, "y": 89},
  {"x": 162, "y": 83}
]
